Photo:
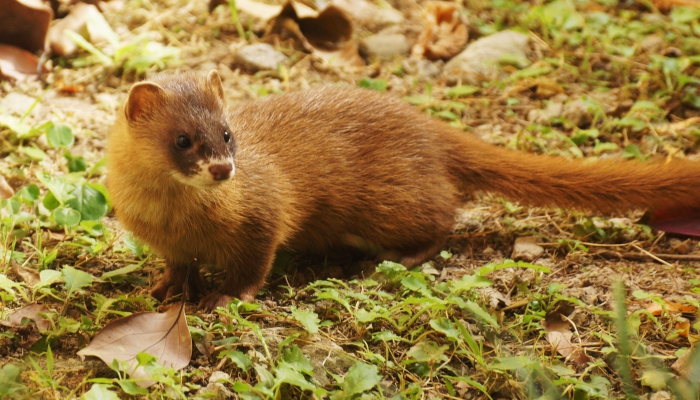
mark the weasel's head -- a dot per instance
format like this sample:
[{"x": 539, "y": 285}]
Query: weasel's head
[{"x": 181, "y": 123}]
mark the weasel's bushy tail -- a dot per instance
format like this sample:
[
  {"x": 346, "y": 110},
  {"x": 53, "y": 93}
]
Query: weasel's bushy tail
[{"x": 580, "y": 184}]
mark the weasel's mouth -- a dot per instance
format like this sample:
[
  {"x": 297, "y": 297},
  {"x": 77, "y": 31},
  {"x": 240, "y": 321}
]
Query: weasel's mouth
[
  {"x": 214, "y": 185},
  {"x": 200, "y": 181},
  {"x": 209, "y": 174}
]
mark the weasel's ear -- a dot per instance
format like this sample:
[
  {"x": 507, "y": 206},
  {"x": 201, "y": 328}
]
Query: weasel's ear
[
  {"x": 214, "y": 84},
  {"x": 142, "y": 97}
]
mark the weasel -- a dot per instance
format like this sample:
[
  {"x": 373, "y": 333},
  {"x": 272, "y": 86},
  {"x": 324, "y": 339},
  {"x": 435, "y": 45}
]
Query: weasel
[{"x": 325, "y": 168}]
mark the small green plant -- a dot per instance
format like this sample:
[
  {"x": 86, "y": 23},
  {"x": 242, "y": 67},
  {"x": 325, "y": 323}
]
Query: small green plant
[{"x": 378, "y": 85}]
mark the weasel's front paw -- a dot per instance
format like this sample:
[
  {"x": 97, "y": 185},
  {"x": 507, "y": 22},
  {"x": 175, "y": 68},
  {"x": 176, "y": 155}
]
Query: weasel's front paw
[
  {"x": 171, "y": 284},
  {"x": 218, "y": 299},
  {"x": 165, "y": 290},
  {"x": 213, "y": 300}
]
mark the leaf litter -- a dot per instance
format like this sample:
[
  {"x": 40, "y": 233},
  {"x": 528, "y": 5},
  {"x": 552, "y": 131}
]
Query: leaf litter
[
  {"x": 452, "y": 328},
  {"x": 162, "y": 335}
]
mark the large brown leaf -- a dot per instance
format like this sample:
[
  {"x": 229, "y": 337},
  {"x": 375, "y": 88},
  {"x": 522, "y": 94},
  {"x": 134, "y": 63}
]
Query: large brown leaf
[
  {"x": 162, "y": 335},
  {"x": 16, "y": 63},
  {"x": 24, "y": 23}
]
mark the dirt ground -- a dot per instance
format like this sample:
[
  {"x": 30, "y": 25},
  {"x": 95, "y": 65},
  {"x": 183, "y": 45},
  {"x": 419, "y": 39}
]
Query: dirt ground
[{"x": 584, "y": 252}]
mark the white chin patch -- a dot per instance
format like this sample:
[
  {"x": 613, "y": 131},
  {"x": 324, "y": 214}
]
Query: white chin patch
[{"x": 211, "y": 173}]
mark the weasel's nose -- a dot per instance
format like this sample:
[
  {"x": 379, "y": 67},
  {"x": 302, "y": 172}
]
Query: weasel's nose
[{"x": 220, "y": 172}]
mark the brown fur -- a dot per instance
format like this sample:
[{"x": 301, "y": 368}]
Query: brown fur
[{"x": 328, "y": 168}]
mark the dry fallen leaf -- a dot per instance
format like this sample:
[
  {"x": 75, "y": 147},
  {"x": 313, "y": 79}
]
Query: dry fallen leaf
[
  {"x": 264, "y": 12},
  {"x": 671, "y": 307},
  {"x": 205, "y": 344},
  {"x": 683, "y": 328},
  {"x": 87, "y": 21},
  {"x": 325, "y": 34},
  {"x": 559, "y": 335},
  {"x": 668, "y": 5},
  {"x": 162, "y": 335},
  {"x": 24, "y": 24},
  {"x": 16, "y": 63},
  {"x": 29, "y": 276},
  {"x": 31, "y": 312},
  {"x": 445, "y": 33},
  {"x": 6, "y": 190},
  {"x": 686, "y": 363},
  {"x": 677, "y": 126},
  {"x": 544, "y": 87}
]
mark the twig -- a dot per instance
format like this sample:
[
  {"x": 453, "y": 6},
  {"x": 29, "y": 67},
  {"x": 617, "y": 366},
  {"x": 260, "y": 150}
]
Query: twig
[{"x": 646, "y": 256}]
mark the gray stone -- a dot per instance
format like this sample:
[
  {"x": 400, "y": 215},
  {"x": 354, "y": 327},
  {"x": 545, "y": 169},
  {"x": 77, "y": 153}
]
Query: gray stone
[
  {"x": 18, "y": 104},
  {"x": 479, "y": 61},
  {"x": 527, "y": 249},
  {"x": 384, "y": 45},
  {"x": 544, "y": 117},
  {"x": 324, "y": 354},
  {"x": 423, "y": 69},
  {"x": 577, "y": 112},
  {"x": 217, "y": 388},
  {"x": 369, "y": 15},
  {"x": 259, "y": 57}
]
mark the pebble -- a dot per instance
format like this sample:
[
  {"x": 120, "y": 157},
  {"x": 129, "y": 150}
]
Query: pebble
[
  {"x": 527, "y": 249},
  {"x": 217, "y": 388},
  {"x": 259, "y": 57},
  {"x": 384, "y": 45},
  {"x": 479, "y": 61}
]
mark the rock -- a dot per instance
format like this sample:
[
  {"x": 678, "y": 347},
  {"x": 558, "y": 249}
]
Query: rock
[
  {"x": 385, "y": 17},
  {"x": 578, "y": 113},
  {"x": 217, "y": 388},
  {"x": 479, "y": 61},
  {"x": 527, "y": 249},
  {"x": 18, "y": 104},
  {"x": 384, "y": 45},
  {"x": 423, "y": 69},
  {"x": 259, "y": 57},
  {"x": 467, "y": 219},
  {"x": 660, "y": 395},
  {"x": 325, "y": 355},
  {"x": 575, "y": 111},
  {"x": 369, "y": 15},
  {"x": 544, "y": 117},
  {"x": 216, "y": 376},
  {"x": 652, "y": 44}
]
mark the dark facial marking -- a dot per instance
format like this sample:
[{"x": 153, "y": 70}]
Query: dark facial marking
[{"x": 196, "y": 123}]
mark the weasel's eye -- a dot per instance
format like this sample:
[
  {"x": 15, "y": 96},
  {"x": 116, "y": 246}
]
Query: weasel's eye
[
  {"x": 183, "y": 142},
  {"x": 227, "y": 137}
]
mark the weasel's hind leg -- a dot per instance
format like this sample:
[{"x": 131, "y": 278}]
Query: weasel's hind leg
[
  {"x": 420, "y": 254},
  {"x": 244, "y": 279}
]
